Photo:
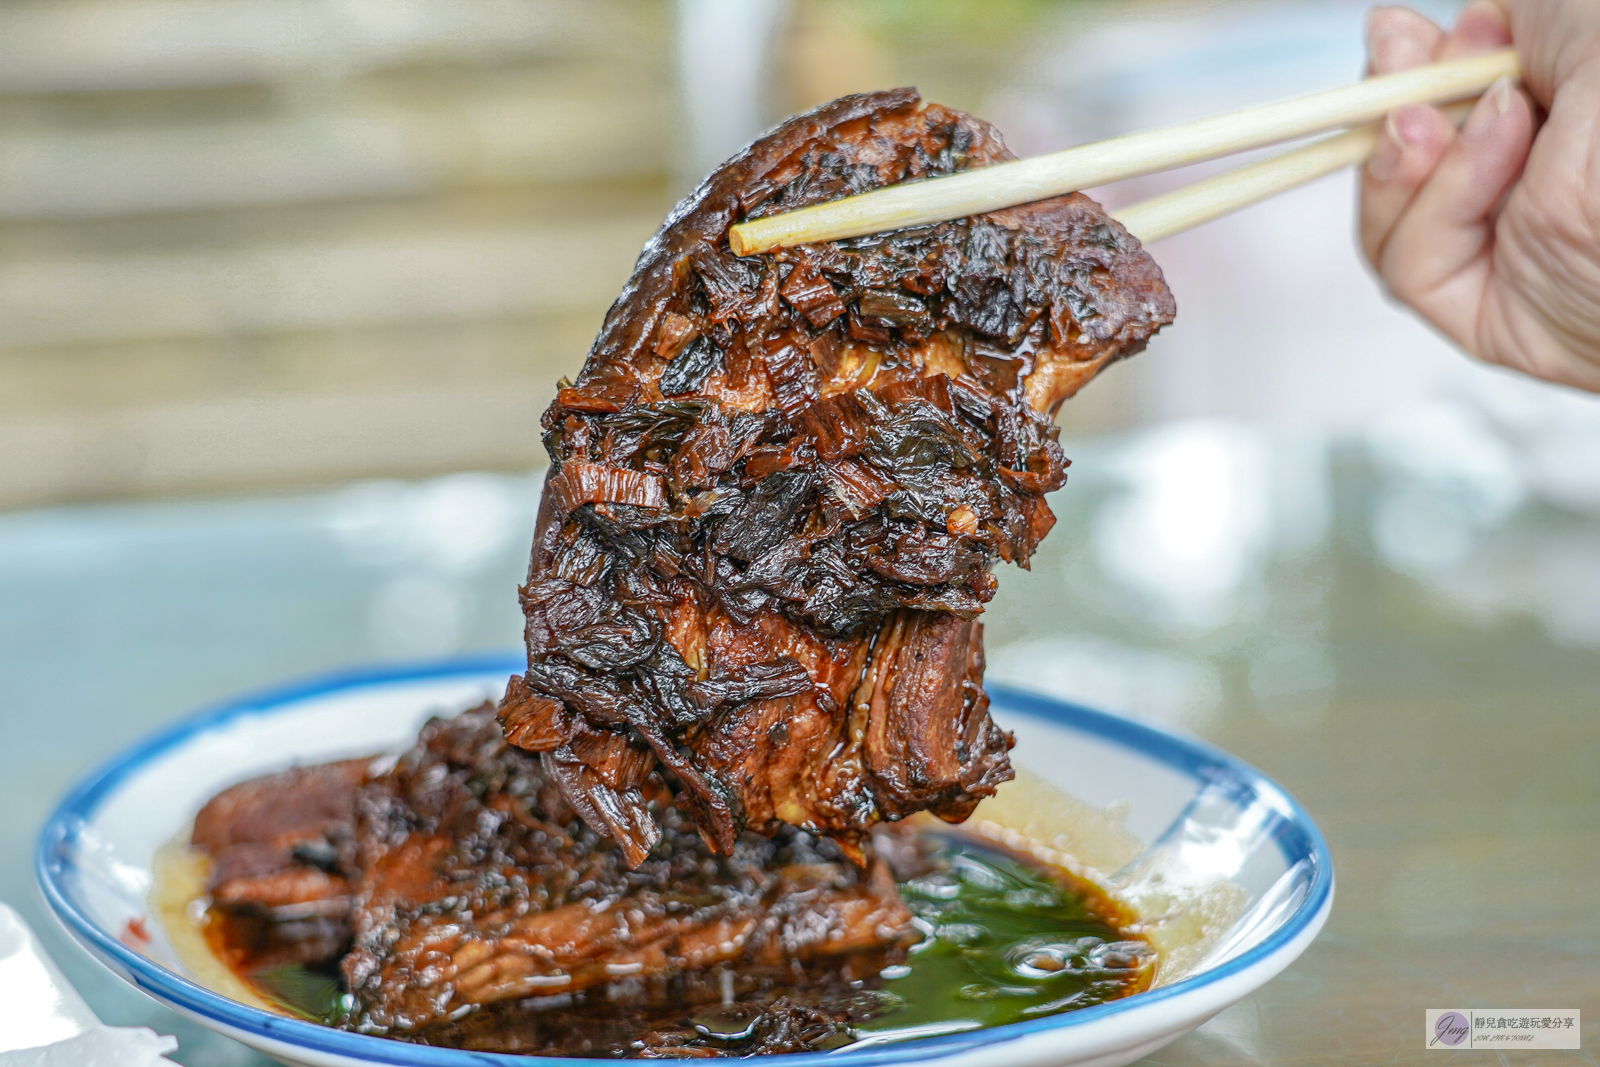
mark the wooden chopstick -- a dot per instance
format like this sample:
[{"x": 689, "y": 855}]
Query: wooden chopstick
[
  {"x": 1185, "y": 208},
  {"x": 1188, "y": 207},
  {"x": 1025, "y": 180}
]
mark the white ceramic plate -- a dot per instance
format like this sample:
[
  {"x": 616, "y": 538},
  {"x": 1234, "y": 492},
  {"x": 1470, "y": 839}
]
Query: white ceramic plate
[{"x": 1191, "y": 812}]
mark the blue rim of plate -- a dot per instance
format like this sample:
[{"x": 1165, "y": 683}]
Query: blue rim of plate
[{"x": 1293, "y": 831}]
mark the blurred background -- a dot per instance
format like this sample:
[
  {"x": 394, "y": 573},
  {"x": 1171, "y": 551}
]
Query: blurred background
[
  {"x": 286, "y": 284},
  {"x": 269, "y": 243}
]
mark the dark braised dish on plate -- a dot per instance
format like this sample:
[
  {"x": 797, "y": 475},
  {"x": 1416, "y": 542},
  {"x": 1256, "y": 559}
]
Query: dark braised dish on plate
[
  {"x": 453, "y": 897},
  {"x": 778, "y": 490}
]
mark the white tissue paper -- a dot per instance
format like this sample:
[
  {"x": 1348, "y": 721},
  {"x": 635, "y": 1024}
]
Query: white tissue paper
[
  {"x": 45, "y": 1023},
  {"x": 100, "y": 1046}
]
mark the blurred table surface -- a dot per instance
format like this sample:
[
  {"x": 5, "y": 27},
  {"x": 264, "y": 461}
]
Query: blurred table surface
[{"x": 1407, "y": 648}]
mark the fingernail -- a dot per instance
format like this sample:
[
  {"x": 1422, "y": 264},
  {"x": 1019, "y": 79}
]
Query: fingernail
[
  {"x": 1489, "y": 110},
  {"x": 1373, "y": 36},
  {"x": 1482, "y": 24},
  {"x": 1389, "y": 46},
  {"x": 1501, "y": 93},
  {"x": 1384, "y": 162}
]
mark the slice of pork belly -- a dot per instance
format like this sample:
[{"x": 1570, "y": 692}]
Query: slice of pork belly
[
  {"x": 276, "y": 845},
  {"x": 781, "y": 483},
  {"x": 480, "y": 884}
]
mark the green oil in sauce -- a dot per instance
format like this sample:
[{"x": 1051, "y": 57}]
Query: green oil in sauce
[
  {"x": 302, "y": 992},
  {"x": 1005, "y": 939}
]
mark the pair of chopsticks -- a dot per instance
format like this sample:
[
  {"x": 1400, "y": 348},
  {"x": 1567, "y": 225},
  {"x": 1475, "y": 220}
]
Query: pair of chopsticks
[{"x": 1023, "y": 181}]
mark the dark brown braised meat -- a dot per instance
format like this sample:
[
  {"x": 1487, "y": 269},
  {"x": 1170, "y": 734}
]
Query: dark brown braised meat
[
  {"x": 479, "y": 883},
  {"x": 781, "y": 482},
  {"x": 275, "y": 844},
  {"x": 460, "y": 878}
]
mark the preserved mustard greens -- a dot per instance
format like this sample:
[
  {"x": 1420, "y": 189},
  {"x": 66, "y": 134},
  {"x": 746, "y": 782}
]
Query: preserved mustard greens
[{"x": 1003, "y": 940}]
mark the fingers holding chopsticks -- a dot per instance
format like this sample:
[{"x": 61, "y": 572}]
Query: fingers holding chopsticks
[
  {"x": 1413, "y": 138},
  {"x": 1430, "y": 195},
  {"x": 1439, "y": 254},
  {"x": 1408, "y": 151}
]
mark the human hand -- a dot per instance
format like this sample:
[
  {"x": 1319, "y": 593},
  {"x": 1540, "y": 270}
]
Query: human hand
[{"x": 1492, "y": 234}]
